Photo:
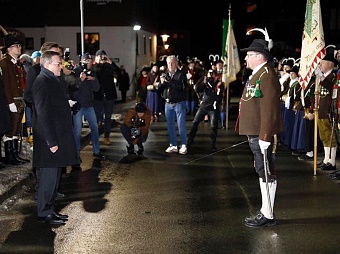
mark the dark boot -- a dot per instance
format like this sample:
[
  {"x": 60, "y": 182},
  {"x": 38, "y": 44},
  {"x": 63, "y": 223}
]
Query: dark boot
[
  {"x": 2, "y": 164},
  {"x": 212, "y": 146},
  {"x": 130, "y": 149},
  {"x": 190, "y": 140},
  {"x": 9, "y": 155},
  {"x": 140, "y": 149},
  {"x": 16, "y": 151}
]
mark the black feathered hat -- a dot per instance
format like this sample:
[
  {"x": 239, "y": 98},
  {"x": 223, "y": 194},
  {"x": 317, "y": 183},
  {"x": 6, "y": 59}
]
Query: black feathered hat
[
  {"x": 261, "y": 46},
  {"x": 9, "y": 40},
  {"x": 331, "y": 54}
]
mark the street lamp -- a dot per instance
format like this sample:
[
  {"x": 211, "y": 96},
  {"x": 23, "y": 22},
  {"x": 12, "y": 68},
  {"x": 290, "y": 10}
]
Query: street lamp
[
  {"x": 165, "y": 38},
  {"x": 136, "y": 28}
]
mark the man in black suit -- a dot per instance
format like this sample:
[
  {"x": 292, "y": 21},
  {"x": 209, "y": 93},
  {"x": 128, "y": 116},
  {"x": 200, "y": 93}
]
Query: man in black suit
[{"x": 54, "y": 145}]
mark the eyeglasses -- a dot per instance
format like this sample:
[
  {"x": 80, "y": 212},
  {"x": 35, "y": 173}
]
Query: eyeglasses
[
  {"x": 59, "y": 64},
  {"x": 16, "y": 46},
  {"x": 252, "y": 54}
]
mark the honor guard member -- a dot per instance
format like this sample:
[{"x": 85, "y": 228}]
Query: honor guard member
[
  {"x": 327, "y": 111},
  {"x": 260, "y": 119},
  {"x": 14, "y": 78}
]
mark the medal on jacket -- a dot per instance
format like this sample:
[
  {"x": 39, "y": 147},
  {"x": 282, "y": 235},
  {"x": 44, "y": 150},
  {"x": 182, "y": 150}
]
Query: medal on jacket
[{"x": 257, "y": 92}]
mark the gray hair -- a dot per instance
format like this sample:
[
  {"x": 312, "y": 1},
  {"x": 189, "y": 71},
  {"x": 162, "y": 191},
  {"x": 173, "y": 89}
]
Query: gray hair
[{"x": 26, "y": 58}]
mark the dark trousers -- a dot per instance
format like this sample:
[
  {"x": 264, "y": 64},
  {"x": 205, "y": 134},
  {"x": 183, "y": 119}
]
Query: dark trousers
[
  {"x": 126, "y": 132},
  {"x": 259, "y": 158},
  {"x": 199, "y": 117},
  {"x": 47, "y": 191},
  {"x": 104, "y": 107},
  {"x": 123, "y": 93}
]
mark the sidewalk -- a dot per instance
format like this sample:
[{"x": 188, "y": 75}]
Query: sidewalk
[{"x": 16, "y": 178}]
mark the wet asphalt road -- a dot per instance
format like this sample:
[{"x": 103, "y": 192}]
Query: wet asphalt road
[{"x": 170, "y": 203}]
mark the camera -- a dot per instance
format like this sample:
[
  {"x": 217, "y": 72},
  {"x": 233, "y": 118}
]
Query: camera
[
  {"x": 67, "y": 64},
  {"x": 141, "y": 122},
  {"x": 166, "y": 77},
  {"x": 135, "y": 130},
  {"x": 104, "y": 58},
  {"x": 87, "y": 71}
]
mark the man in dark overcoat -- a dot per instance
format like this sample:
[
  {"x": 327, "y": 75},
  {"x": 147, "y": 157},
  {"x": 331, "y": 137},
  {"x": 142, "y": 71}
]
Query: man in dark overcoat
[
  {"x": 54, "y": 143},
  {"x": 260, "y": 119}
]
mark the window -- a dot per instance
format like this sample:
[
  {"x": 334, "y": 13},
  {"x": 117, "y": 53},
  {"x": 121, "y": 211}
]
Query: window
[
  {"x": 91, "y": 43},
  {"x": 29, "y": 43}
]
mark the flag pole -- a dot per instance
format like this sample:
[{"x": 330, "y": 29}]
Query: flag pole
[
  {"x": 312, "y": 52},
  {"x": 316, "y": 117},
  {"x": 227, "y": 84}
]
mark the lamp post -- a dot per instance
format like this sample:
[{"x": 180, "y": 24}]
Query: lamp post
[
  {"x": 165, "y": 38},
  {"x": 136, "y": 28}
]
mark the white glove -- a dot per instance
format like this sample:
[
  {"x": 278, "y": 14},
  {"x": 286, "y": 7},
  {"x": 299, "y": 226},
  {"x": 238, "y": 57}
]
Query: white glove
[
  {"x": 189, "y": 75},
  {"x": 263, "y": 145},
  {"x": 318, "y": 71},
  {"x": 13, "y": 107},
  {"x": 310, "y": 116},
  {"x": 71, "y": 103}
]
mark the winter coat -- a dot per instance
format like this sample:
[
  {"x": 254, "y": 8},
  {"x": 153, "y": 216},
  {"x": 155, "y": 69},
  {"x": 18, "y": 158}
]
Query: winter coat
[
  {"x": 52, "y": 123},
  {"x": 132, "y": 114},
  {"x": 14, "y": 79},
  {"x": 123, "y": 81},
  {"x": 5, "y": 121},
  {"x": 261, "y": 116},
  {"x": 106, "y": 73}
]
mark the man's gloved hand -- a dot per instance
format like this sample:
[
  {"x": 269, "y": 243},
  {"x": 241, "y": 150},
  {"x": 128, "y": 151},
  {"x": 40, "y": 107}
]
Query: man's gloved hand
[
  {"x": 263, "y": 145},
  {"x": 13, "y": 107},
  {"x": 71, "y": 103}
]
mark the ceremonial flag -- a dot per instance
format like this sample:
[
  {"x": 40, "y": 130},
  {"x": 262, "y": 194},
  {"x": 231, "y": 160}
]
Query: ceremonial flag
[
  {"x": 230, "y": 57},
  {"x": 313, "y": 42}
]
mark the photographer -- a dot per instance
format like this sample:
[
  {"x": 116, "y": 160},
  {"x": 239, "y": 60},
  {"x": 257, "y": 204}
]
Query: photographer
[
  {"x": 135, "y": 128},
  {"x": 213, "y": 91},
  {"x": 173, "y": 89},
  {"x": 84, "y": 100},
  {"x": 106, "y": 72}
]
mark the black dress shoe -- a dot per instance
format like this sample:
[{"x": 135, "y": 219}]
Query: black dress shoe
[
  {"x": 130, "y": 149},
  {"x": 320, "y": 163},
  {"x": 305, "y": 157},
  {"x": 23, "y": 160},
  {"x": 335, "y": 177},
  {"x": 99, "y": 156},
  {"x": 260, "y": 221},
  {"x": 327, "y": 166},
  {"x": 252, "y": 217},
  {"x": 51, "y": 219},
  {"x": 336, "y": 172},
  {"x": 140, "y": 149},
  {"x": 61, "y": 216}
]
